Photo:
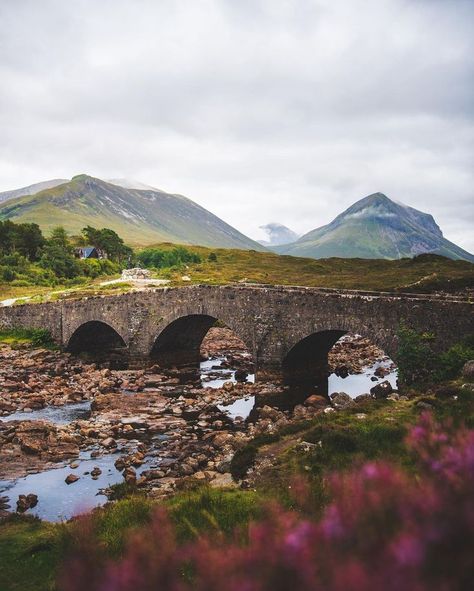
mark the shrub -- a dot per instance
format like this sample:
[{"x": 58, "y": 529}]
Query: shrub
[
  {"x": 382, "y": 530},
  {"x": 38, "y": 337},
  {"x": 21, "y": 283},
  {"x": 160, "y": 258},
  {"x": 419, "y": 364},
  {"x": 450, "y": 363},
  {"x": 416, "y": 359},
  {"x": 8, "y": 274},
  {"x": 96, "y": 267},
  {"x": 243, "y": 459}
]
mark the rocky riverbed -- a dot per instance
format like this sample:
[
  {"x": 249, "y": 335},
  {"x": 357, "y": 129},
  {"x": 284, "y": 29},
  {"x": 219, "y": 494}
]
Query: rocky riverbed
[{"x": 67, "y": 425}]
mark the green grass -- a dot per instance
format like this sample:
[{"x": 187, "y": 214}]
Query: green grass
[
  {"x": 36, "y": 337},
  {"x": 30, "y": 551},
  {"x": 115, "y": 523},
  {"x": 207, "y": 509},
  {"x": 423, "y": 274}
]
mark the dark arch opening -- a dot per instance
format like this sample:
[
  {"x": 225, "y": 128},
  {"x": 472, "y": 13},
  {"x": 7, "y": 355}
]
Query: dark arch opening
[
  {"x": 306, "y": 363},
  {"x": 203, "y": 349},
  {"x": 99, "y": 341},
  {"x": 179, "y": 343},
  {"x": 336, "y": 361}
]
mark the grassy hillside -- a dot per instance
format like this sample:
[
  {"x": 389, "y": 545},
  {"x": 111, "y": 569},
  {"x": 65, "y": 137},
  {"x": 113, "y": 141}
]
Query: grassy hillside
[
  {"x": 140, "y": 217},
  {"x": 423, "y": 273}
]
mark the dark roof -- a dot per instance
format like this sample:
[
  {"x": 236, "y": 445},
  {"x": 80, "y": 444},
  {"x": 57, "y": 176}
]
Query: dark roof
[{"x": 87, "y": 251}]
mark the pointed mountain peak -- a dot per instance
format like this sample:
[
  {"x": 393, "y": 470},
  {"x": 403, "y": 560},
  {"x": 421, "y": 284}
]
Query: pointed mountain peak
[{"x": 377, "y": 227}]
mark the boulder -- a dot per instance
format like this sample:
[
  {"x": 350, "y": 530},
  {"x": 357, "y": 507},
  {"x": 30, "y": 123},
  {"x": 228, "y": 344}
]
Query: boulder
[
  {"x": 120, "y": 463},
  {"x": 316, "y": 401},
  {"x": 26, "y": 502},
  {"x": 468, "y": 370},
  {"x": 153, "y": 474},
  {"x": 341, "y": 400},
  {"x": 71, "y": 478},
  {"x": 222, "y": 439},
  {"x": 422, "y": 405},
  {"x": 382, "y": 390},
  {"x": 130, "y": 475},
  {"x": 109, "y": 442},
  {"x": 241, "y": 375},
  {"x": 363, "y": 398},
  {"x": 446, "y": 391}
]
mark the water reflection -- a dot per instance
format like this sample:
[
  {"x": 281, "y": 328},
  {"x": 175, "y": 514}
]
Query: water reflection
[
  {"x": 213, "y": 375},
  {"x": 361, "y": 383},
  {"x": 240, "y": 408},
  {"x": 58, "y": 415},
  {"x": 59, "y": 501}
]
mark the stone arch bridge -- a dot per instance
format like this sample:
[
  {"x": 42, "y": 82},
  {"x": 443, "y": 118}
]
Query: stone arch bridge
[{"x": 288, "y": 330}]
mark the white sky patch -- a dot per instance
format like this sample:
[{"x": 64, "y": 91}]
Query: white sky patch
[{"x": 259, "y": 111}]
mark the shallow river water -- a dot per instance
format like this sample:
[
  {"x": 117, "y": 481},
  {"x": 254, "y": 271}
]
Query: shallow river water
[
  {"x": 59, "y": 415},
  {"x": 59, "y": 501}
]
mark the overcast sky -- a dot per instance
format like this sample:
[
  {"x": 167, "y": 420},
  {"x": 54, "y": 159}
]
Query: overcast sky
[{"x": 259, "y": 110}]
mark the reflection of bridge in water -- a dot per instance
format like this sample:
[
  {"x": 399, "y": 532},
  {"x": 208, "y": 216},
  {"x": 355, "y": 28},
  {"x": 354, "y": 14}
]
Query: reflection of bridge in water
[{"x": 288, "y": 330}]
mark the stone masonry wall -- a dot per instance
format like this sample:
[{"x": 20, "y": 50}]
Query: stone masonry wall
[{"x": 270, "y": 320}]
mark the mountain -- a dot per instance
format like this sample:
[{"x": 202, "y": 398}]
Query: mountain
[
  {"x": 278, "y": 234},
  {"x": 376, "y": 227},
  {"x": 139, "y": 216},
  {"x": 31, "y": 189}
]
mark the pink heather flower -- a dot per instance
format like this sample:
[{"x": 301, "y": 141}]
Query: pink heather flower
[
  {"x": 370, "y": 470},
  {"x": 408, "y": 550},
  {"x": 299, "y": 536},
  {"x": 331, "y": 524},
  {"x": 383, "y": 529}
]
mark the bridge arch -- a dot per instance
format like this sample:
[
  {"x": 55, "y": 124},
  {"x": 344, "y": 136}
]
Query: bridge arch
[
  {"x": 307, "y": 361},
  {"x": 97, "y": 338},
  {"x": 306, "y": 365},
  {"x": 179, "y": 343}
]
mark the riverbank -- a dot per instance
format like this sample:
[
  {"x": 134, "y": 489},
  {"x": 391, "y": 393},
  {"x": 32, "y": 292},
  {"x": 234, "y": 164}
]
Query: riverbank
[
  {"x": 314, "y": 448},
  {"x": 213, "y": 450},
  {"x": 70, "y": 429}
]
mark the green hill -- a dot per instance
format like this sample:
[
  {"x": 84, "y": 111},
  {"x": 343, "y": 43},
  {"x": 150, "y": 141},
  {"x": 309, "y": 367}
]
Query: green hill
[
  {"x": 376, "y": 228},
  {"x": 140, "y": 217}
]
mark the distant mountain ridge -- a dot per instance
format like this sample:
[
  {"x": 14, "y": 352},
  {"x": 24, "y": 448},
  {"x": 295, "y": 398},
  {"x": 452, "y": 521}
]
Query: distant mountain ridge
[
  {"x": 278, "y": 234},
  {"x": 31, "y": 189},
  {"x": 140, "y": 217},
  {"x": 376, "y": 227}
]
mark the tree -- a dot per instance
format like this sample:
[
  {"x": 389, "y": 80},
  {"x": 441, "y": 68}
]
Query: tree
[
  {"x": 26, "y": 239},
  {"x": 60, "y": 238},
  {"x": 29, "y": 240},
  {"x": 7, "y": 236},
  {"x": 108, "y": 241},
  {"x": 60, "y": 261},
  {"x": 58, "y": 255}
]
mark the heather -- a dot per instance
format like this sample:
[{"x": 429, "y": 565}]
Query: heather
[{"x": 383, "y": 528}]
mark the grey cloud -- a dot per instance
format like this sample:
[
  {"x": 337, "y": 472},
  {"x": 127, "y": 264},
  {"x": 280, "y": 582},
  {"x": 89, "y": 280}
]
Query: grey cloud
[{"x": 259, "y": 110}]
